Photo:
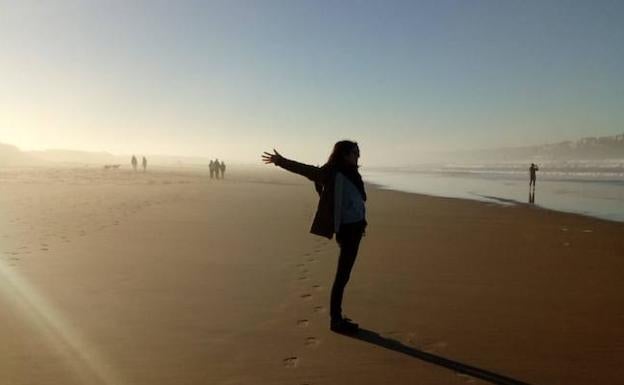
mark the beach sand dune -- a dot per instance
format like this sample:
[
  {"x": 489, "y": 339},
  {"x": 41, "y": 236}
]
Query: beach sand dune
[{"x": 168, "y": 277}]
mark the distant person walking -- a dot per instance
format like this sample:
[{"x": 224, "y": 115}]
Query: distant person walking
[
  {"x": 532, "y": 178},
  {"x": 222, "y": 169},
  {"x": 144, "y": 163},
  {"x": 217, "y": 168},
  {"x": 532, "y": 174},
  {"x": 134, "y": 162},
  {"x": 211, "y": 167},
  {"x": 341, "y": 210}
]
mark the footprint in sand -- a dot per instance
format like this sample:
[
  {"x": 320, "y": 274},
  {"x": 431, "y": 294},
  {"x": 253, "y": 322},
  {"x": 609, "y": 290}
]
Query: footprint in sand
[
  {"x": 303, "y": 323},
  {"x": 588, "y": 231},
  {"x": 306, "y": 296},
  {"x": 311, "y": 259},
  {"x": 312, "y": 341},
  {"x": 564, "y": 229},
  {"x": 466, "y": 378},
  {"x": 317, "y": 287},
  {"x": 411, "y": 339},
  {"x": 303, "y": 271},
  {"x": 319, "y": 309},
  {"x": 434, "y": 347},
  {"x": 302, "y": 278},
  {"x": 300, "y": 264},
  {"x": 44, "y": 249},
  {"x": 290, "y": 362}
]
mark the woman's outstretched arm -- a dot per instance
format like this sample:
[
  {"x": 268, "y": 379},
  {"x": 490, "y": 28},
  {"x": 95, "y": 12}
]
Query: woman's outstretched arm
[{"x": 311, "y": 172}]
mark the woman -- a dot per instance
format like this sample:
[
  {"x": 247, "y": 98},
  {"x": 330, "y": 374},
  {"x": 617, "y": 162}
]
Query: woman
[{"x": 341, "y": 210}]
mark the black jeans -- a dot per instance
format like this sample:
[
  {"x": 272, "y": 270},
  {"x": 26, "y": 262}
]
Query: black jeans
[{"x": 348, "y": 238}]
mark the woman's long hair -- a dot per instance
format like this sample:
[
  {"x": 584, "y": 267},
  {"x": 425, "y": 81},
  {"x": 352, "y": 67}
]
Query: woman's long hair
[
  {"x": 341, "y": 150},
  {"x": 337, "y": 162}
]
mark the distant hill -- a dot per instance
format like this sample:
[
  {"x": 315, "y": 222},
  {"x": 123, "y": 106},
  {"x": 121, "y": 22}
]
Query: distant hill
[
  {"x": 76, "y": 157},
  {"x": 591, "y": 148},
  {"x": 102, "y": 158},
  {"x": 12, "y": 156}
]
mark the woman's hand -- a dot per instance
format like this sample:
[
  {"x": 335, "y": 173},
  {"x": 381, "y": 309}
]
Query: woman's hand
[{"x": 274, "y": 158}]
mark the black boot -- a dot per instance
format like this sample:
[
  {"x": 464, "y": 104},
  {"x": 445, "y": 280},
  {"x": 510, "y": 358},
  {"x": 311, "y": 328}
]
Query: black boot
[{"x": 343, "y": 326}]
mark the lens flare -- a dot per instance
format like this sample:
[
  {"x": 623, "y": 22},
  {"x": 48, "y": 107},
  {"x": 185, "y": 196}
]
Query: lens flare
[{"x": 80, "y": 356}]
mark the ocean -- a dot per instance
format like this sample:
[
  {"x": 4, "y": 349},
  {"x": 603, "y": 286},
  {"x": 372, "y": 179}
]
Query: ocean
[{"x": 590, "y": 188}]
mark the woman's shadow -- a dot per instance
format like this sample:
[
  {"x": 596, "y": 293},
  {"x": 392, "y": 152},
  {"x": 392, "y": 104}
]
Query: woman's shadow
[{"x": 388, "y": 343}]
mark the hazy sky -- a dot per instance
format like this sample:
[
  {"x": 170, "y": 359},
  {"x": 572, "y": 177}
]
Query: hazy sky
[{"x": 232, "y": 78}]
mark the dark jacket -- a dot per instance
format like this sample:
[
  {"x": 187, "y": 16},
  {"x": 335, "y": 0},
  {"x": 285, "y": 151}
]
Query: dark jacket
[{"x": 324, "y": 180}]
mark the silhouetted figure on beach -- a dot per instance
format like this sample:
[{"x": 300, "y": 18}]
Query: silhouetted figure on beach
[
  {"x": 222, "y": 169},
  {"x": 144, "y": 163},
  {"x": 211, "y": 167},
  {"x": 216, "y": 166},
  {"x": 134, "y": 162},
  {"x": 532, "y": 178},
  {"x": 341, "y": 210},
  {"x": 532, "y": 174}
]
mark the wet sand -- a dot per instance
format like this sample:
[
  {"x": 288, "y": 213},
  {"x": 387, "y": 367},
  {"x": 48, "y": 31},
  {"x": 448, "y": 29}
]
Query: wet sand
[{"x": 168, "y": 277}]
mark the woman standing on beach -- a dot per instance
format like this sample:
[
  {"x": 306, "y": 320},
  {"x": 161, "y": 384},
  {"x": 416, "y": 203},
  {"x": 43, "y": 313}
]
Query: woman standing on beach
[{"x": 341, "y": 210}]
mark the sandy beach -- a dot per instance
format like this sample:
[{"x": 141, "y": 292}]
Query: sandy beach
[{"x": 167, "y": 277}]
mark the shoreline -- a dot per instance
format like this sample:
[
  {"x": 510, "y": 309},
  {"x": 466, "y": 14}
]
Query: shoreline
[
  {"x": 503, "y": 201},
  {"x": 494, "y": 201}
]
